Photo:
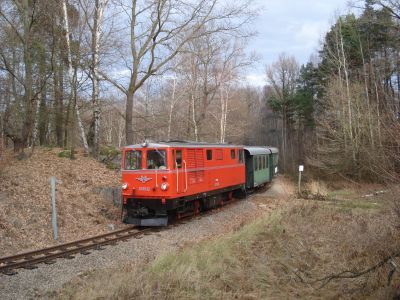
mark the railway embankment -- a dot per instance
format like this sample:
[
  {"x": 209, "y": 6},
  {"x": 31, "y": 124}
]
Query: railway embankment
[{"x": 85, "y": 190}]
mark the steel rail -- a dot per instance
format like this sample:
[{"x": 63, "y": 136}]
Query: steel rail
[
  {"x": 35, "y": 252},
  {"x": 29, "y": 260}
]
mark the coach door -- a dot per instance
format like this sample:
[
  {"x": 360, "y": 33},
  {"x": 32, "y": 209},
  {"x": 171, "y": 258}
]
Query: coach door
[{"x": 179, "y": 171}]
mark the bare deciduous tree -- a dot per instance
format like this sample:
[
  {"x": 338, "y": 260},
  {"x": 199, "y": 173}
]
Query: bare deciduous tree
[{"x": 160, "y": 29}]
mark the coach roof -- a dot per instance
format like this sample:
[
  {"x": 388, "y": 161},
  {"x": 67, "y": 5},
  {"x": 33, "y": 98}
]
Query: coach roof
[
  {"x": 257, "y": 150},
  {"x": 273, "y": 149}
]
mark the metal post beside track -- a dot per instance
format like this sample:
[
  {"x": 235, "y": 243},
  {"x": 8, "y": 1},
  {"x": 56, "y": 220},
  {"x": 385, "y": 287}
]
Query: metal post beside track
[
  {"x": 301, "y": 169},
  {"x": 53, "y": 206}
]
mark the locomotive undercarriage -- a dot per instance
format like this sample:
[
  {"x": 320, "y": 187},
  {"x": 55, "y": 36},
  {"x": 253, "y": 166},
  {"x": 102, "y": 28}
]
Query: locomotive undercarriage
[{"x": 158, "y": 212}]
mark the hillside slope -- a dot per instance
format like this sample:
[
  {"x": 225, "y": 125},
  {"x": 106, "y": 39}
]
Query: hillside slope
[{"x": 25, "y": 203}]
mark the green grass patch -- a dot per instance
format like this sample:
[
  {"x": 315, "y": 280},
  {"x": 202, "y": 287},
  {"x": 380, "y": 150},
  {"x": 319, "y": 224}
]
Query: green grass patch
[
  {"x": 212, "y": 269},
  {"x": 342, "y": 194},
  {"x": 66, "y": 153},
  {"x": 109, "y": 151},
  {"x": 357, "y": 204}
]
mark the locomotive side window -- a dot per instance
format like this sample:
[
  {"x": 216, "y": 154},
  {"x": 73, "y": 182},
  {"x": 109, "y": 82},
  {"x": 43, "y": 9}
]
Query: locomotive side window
[
  {"x": 209, "y": 154},
  {"x": 233, "y": 153},
  {"x": 156, "y": 159},
  {"x": 178, "y": 159},
  {"x": 219, "y": 154},
  {"x": 240, "y": 156},
  {"x": 133, "y": 160}
]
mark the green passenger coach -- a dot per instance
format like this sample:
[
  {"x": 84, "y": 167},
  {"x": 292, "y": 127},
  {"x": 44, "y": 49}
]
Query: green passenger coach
[{"x": 261, "y": 165}]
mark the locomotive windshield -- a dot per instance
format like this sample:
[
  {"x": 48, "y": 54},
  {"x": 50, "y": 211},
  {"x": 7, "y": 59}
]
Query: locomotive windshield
[
  {"x": 156, "y": 159},
  {"x": 133, "y": 160}
]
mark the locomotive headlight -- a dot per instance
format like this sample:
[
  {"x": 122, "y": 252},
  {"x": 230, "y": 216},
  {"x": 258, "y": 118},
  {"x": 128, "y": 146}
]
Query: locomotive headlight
[
  {"x": 164, "y": 186},
  {"x": 124, "y": 186}
]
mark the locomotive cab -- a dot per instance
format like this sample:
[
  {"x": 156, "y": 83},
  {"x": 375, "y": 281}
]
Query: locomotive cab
[{"x": 145, "y": 184}]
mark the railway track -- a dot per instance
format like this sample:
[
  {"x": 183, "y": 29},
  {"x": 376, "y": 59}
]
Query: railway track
[{"x": 30, "y": 260}]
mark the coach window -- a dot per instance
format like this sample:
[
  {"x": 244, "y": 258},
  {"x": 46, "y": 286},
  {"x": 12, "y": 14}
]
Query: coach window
[
  {"x": 260, "y": 163},
  {"x": 156, "y": 159},
  {"x": 263, "y": 161},
  {"x": 266, "y": 161},
  {"x": 233, "y": 153},
  {"x": 209, "y": 154},
  {"x": 133, "y": 160}
]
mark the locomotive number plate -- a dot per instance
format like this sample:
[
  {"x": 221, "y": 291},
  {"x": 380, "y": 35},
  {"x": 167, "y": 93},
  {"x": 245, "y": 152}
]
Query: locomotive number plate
[{"x": 144, "y": 189}]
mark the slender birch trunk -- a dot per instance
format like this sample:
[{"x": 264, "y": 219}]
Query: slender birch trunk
[
  {"x": 196, "y": 133},
  {"x": 96, "y": 31},
  {"x": 72, "y": 80},
  {"x": 221, "y": 123},
  {"x": 224, "y": 112},
  {"x": 350, "y": 117},
  {"x": 171, "y": 108}
]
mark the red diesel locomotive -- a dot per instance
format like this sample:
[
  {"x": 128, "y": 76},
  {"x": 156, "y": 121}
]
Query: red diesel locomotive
[{"x": 174, "y": 179}]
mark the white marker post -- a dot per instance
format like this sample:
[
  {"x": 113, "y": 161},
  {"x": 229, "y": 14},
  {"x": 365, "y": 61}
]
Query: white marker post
[
  {"x": 301, "y": 169},
  {"x": 53, "y": 206}
]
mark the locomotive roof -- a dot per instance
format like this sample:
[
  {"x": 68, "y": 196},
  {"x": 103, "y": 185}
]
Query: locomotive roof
[{"x": 183, "y": 144}]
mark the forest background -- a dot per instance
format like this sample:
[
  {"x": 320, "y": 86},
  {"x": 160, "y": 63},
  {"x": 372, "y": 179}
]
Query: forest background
[{"x": 89, "y": 74}]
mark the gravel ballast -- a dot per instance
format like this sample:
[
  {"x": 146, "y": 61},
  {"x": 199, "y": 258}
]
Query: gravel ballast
[{"x": 34, "y": 283}]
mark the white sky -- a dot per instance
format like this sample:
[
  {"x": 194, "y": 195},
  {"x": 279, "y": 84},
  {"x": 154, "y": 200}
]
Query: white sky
[{"x": 295, "y": 27}]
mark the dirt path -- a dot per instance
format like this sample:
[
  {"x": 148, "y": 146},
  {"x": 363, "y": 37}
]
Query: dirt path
[{"x": 281, "y": 188}]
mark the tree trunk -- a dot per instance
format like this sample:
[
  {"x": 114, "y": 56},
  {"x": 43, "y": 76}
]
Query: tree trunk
[
  {"x": 28, "y": 91},
  {"x": 58, "y": 105},
  {"x": 129, "y": 117},
  {"x": 196, "y": 133},
  {"x": 72, "y": 78},
  {"x": 42, "y": 114},
  {"x": 171, "y": 108},
  {"x": 97, "y": 21}
]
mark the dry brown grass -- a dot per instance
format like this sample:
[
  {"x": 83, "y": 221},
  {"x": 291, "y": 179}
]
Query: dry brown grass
[
  {"x": 25, "y": 205},
  {"x": 317, "y": 187},
  {"x": 279, "y": 256}
]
